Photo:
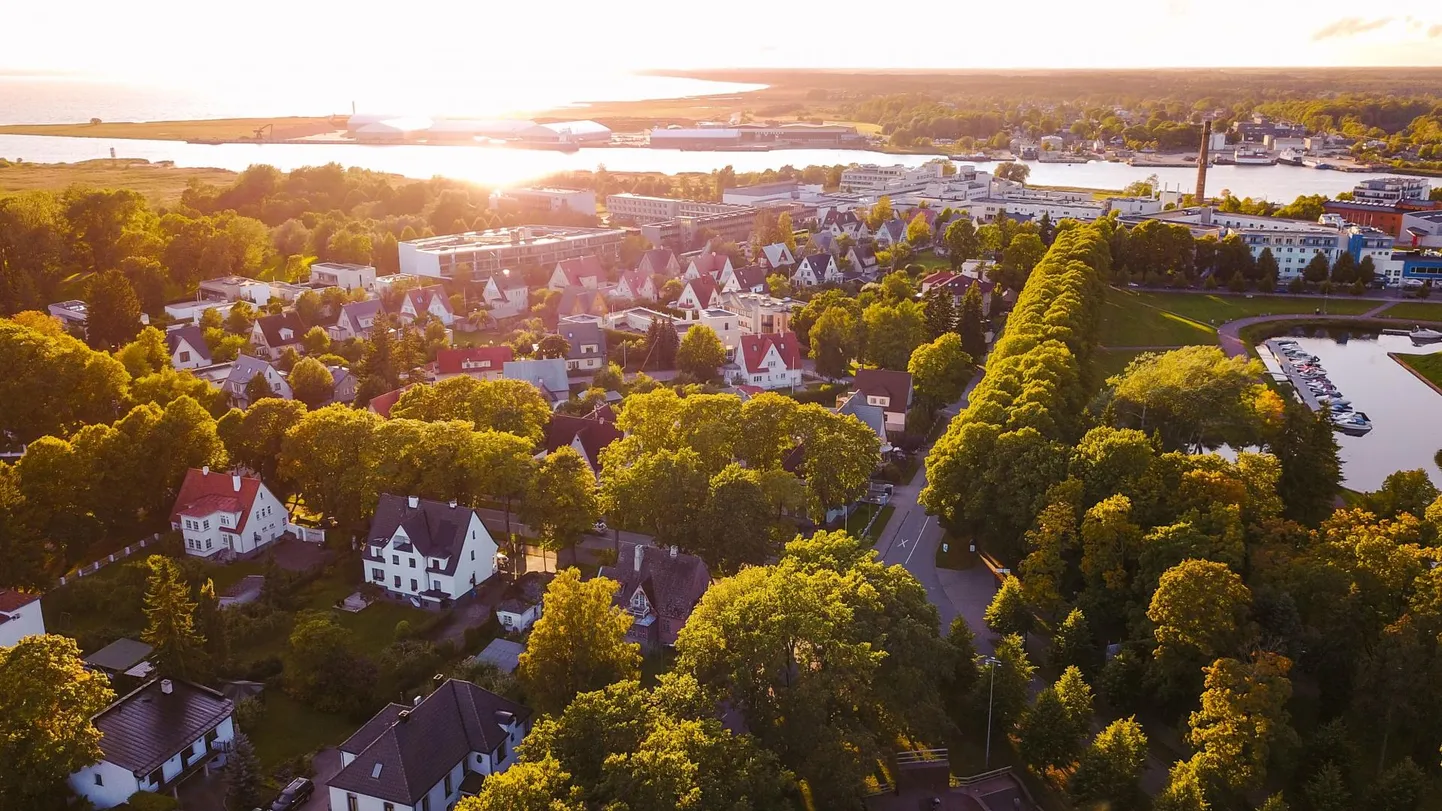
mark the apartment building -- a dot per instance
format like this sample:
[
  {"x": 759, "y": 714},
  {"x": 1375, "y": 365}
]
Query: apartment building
[
  {"x": 881, "y": 179},
  {"x": 682, "y": 233},
  {"x": 482, "y": 254},
  {"x": 640, "y": 208},
  {"x": 1293, "y": 243},
  {"x": 758, "y": 313},
  {"x": 546, "y": 199},
  {"x": 344, "y": 275},
  {"x": 1391, "y": 189}
]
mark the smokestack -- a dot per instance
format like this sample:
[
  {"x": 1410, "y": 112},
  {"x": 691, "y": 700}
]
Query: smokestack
[{"x": 1202, "y": 162}]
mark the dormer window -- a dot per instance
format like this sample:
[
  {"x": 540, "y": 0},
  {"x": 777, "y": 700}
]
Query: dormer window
[{"x": 640, "y": 606}]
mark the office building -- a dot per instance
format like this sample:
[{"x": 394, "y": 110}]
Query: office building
[
  {"x": 640, "y": 209},
  {"x": 482, "y": 254}
]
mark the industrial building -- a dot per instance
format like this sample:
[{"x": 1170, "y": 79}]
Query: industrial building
[
  {"x": 481, "y": 254},
  {"x": 392, "y": 128}
]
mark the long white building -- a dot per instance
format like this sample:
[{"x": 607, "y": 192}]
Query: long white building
[
  {"x": 1293, "y": 243},
  {"x": 482, "y": 254},
  {"x": 544, "y": 198},
  {"x": 641, "y": 209},
  {"x": 881, "y": 179}
]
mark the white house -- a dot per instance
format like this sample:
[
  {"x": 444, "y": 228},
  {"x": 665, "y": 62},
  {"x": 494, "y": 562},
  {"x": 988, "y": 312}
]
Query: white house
[
  {"x": 659, "y": 262},
  {"x": 187, "y": 347},
  {"x": 344, "y": 275},
  {"x": 480, "y": 362},
  {"x": 234, "y": 378},
  {"x": 20, "y": 616},
  {"x": 769, "y": 360},
  {"x": 155, "y": 737},
  {"x": 355, "y": 320},
  {"x": 699, "y": 293},
  {"x": 505, "y": 301},
  {"x": 891, "y": 233},
  {"x": 818, "y": 268},
  {"x": 580, "y": 271},
  {"x": 778, "y": 255},
  {"x": 889, "y": 390},
  {"x": 224, "y": 515},
  {"x": 587, "y": 344},
  {"x": 426, "y": 756},
  {"x": 635, "y": 285},
  {"x": 427, "y": 552},
  {"x": 426, "y": 301},
  {"x": 272, "y": 334},
  {"x": 710, "y": 264}
]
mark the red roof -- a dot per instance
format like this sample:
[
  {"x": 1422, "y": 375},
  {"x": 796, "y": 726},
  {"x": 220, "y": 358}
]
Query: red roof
[
  {"x": 472, "y": 359},
  {"x": 202, "y": 489},
  {"x": 710, "y": 262},
  {"x": 210, "y": 505},
  {"x": 580, "y": 267},
  {"x": 755, "y": 347},
  {"x": 703, "y": 288},
  {"x": 383, "y": 403},
  {"x": 939, "y": 277},
  {"x": 12, "y": 600}
]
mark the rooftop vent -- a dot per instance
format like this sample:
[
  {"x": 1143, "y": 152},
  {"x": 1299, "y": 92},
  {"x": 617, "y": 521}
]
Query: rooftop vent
[{"x": 376, "y": 769}]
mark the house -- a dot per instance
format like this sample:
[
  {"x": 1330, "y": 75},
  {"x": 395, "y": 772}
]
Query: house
[
  {"x": 422, "y": 301},
  {"x": 20, "y": 616},
  {"x": 659, "y": 262},
  {"x": 862, "y": 260},
  {"x": 355, "y": 320},
  {"x": 890, "y": 234},
  {"x": 750, "y": 279},
  {"x": 844, "y": 223},
  {"x": 777, "y": 255},
  {"x": 502, "y": 654},
  {"x": 658, "y": 588},
  {"x": 579, "y": 271},
  {"x": 72, "y": 313},
  {"x": 582, "y": 301},
  {"x": 272, "y": 334},
  {"x": 383, "y": 403},
  {"x": 506, "y": 301},
  {"x": 817, "y": 268},
  {"x": 588, "y": 435},
  {"x": 587, "y": 344},
  {"x": 548, "y": 375},
  {"x": 635, "y": 285},
  {"x": 234, "y": 378},
  {"x": 769, "y": 360},
  {"x": 344, "y": 387},
  {"x": 155, "y": 737},
  {"x": 520, "y": 610},
  {"x": 345, "y": 275},
  {"x": 187, "y": 347},
  {"x": 699, "y": 293},
  {"x": 223, "y": 515},
  {"x": 430, "y": 553},
  {"x": 123, "y": 657},
  {"x": 959, "y": 284},
  {"x": 480, "y": 362},
  {"x": 823, "y": 242},
  {"x": 891, "y": 391},
  {"x": 709, "y": 263},
  {"x": 427, "y": 756},
  {"x": 872, "y": 416}
]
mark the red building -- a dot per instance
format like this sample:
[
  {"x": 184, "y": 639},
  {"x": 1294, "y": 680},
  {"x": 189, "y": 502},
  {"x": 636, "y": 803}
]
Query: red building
[{"x": 1384, "y": 216}]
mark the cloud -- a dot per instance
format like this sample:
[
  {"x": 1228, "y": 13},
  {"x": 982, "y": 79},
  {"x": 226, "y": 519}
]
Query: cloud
[{"x": 1349, "y": 27}]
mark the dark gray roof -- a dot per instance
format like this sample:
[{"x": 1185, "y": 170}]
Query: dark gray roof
[
  {"x": 673, "y": 585},
  {"x": 120, "y": 655},
  {"x": 271, "y": 325},
  {"x": 148, "y": 727},
  {"x": 503, "y": 653},
  {"x": 411, "y": 753},
  {"x": 577, "y": 333},
  {"x": 436, "y": 529},
  {"x": 373, "y": 729},
  {"x": 193, "y": 335}
]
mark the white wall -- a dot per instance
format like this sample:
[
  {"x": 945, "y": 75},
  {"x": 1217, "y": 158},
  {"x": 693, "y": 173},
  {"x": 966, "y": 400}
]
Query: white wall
[
  {"x": 363, "y": 802},
  {"x": 117, "y": 784},
  {"x": 28, "y": 620},
  {"x": 477, "y": 562}
]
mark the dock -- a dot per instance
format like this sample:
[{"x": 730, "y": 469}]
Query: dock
[{"x": 1298, "y": 382}]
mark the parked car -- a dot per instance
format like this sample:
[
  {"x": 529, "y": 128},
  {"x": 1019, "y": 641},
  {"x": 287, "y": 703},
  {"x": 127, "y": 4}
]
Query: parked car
[
  {"x": 293, "y": 795},
  {"x": 599, "y": 526}
]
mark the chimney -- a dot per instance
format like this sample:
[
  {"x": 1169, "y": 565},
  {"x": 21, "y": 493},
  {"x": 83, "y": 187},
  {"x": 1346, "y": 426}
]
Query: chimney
[
  {"x": 205, "y": 471},
  {"x": 640, "y": 554},
  {"x": 235, "y": 480},
  {"x": 453, "y": 504},
  {"x": 416, "y": 702},
  {"x": 413, "y": 501},
  {"x": 403, "y": 716},
  {"x": 674, "y": 550},
  {"x": 1202, "y": 162},
  {"x": 167, "y": 686}
]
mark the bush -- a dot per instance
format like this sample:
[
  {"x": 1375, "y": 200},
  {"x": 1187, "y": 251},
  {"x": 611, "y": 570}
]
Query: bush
[
  {"x": 150, "y": 801},
  {"x": 248, "y": 712}
]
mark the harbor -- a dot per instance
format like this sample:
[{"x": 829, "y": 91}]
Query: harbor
[{"x": 1309, "y": 379}]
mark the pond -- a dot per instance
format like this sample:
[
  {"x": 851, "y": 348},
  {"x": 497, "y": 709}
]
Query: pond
[{"x": 1406, "y": 413}]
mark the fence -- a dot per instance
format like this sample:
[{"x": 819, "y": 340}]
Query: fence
[
  {"x": 307, "y": 534},
  {"x": 92, "y": 568}
]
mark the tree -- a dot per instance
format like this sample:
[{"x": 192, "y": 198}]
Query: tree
[
  {"x": 1311, "y": 479},
  {"x": 243, "y": 777},
  {"x": 321, "y": 662},
  {"x": 1019, "y": 259},
  {"x": 1404, "y": 491},
  {"x": 531, "y": 785},
  {"x": 145, "y": 355},
  {"x": 664, "y": 491},
  {"x": 938, "y": 308},
  {"x": 893, "y": 332},
  {"x": 112, "y": 315},
  {"x": 1198, "y": 611},
  {"x": 47, "y": 700},
  {"x": 315, "y": 341},
  {"x": 170, "y": 623},
  {"x": 1006, "y": 685},
  {"x": 553, "y": 346},
  {"x": 961, "y": 242},
  {"x": 1044, "y": 734},
  {"x": 661, "y": 344},
  {"x": 1317, "y": 269},
  {"x": 1243, "y": 718},
  {"x": 1008, "y": 612},
  {"x": 736, "y": 523},
  {"x": 918, "y": 231},
  {"x": 1327, "y": 790},
  {"x": 323, "y": 456},
  {"x": 970, "y": 324},
  {"x": 1073, "y": 646},
  {"x": 1010, "y": 170},
  {"x": 312, "y": 383},
  {"x": 1400, "y": 788},
  {"x": 1108, "y": 773},
  {"x": 833, "y": 341},
  {"x": 1184, "y": 790},
  {"x": 1194, "y": 397},
  {"x": 940, "y": 370},
  {"x": 700, "y": 353},
  {"x": 258, "y": 388},
  {"x": 1267, "y": 271},
  {"x": 562, "y": 504},
  {"x": 579, "y": 643}
]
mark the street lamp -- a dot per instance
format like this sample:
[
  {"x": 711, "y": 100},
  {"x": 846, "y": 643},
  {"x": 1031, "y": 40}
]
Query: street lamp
[{"x": 991, "y": 662}]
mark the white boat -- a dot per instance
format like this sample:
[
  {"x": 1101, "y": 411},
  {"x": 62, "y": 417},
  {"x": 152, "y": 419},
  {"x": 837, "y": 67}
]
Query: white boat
[
  {"x": 1353, "y": 423},
  {"x": 1424, "y": 336}
]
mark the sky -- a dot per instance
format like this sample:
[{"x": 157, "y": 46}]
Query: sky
[{"x": 495, "y": 40}]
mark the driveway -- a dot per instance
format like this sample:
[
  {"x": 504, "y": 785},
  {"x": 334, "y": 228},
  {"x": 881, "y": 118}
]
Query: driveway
[{"x": 326, "y": 764}]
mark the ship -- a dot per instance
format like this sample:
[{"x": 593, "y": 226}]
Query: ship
[{"x": 1252, "y": 156}]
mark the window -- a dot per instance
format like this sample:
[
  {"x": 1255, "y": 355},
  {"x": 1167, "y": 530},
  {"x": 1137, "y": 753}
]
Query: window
[
  {"x": 426, "y": 803},
  {"x": 395, "y": 560},
  {"x": 398, "y": 581},
  {"x": 156, "y": 777},
  {"x": 388, "y": 807},
  {"x": 184, "y": 357},
  {"x": 207, "y": 523},
  {"x": 412, "y": 562},
  {"x": 99, "y": 781},
  {"x": 378, "y": 575},
  {"x": 436, "y": 584},
  {"x": 501, "y": 752},
  {"x": 448, "y": 784},
  {"x": 413, "y": 584},
  {"x": 207, "y": 543},
  {"x": 473, "y": 552}
]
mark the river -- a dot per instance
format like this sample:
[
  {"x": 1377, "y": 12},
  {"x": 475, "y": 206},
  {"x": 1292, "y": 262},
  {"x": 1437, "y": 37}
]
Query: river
[
  {"x": 502, "y": 166},
  {"x": 1405, "y": 430}
]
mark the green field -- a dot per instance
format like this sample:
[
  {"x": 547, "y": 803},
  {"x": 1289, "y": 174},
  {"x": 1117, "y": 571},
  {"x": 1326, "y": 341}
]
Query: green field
[
  {"x": 289, "y": 729},
  {"x": 1428, "y": 366},
  {"x": 1414, "y": 311},
  {"x": 1113, "y": 362},
  {"x": 1130, "y": 321},
  {"x": 1215, "y": 309}
]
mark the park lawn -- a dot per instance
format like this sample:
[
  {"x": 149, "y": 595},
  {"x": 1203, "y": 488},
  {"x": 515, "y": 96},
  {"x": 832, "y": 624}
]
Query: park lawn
[
  {"x": 1128, "y": 321},
  {"x": 1414, "y": 311},
  {"x": 931, "y": 261},
  {"x": 1114, "y": 361},
  {"x": 1427, "y": 366},
  {"x": 289, "y": 729},
  {"x": 1209, "y": 308}
]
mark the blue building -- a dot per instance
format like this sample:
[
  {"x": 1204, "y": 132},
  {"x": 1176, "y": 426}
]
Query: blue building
[{"x": 1420, "y": 266}]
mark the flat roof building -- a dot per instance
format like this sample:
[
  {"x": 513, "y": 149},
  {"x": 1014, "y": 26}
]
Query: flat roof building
[
  {"x": 482, "y": 254},
  {"x": 641, "y": 209},
  {"x": 540, "y": 198}
]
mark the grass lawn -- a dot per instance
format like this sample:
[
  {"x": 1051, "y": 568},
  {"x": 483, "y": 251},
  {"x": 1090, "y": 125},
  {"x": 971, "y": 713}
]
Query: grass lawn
[
  {"x": 289, "y": 729},
  {"x": 161, "y": 184},
  {"x": 1414, "y": 310},
  {"x": 1428, "y": 366},
  {"x": 1113, "y": 362},
  {"x": 1127, "y": 320},
  {"x": 931, "y": 261},
  {"x": 1216, "y": 309},
  {"x": 883, "y": 517}
]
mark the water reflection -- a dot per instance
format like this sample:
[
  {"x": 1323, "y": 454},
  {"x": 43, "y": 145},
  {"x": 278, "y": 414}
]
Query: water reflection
[{"x": 1406, "y": 429}]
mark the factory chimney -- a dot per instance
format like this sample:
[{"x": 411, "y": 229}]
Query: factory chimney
[{"x": 1202, "y": 162}]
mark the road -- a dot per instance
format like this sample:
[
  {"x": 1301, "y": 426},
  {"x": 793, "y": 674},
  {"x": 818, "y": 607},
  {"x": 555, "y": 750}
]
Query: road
[
  {"x": 912, "y": 539},
  {"x": 1229, "y": 335}
]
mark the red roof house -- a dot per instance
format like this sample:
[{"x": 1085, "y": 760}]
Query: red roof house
[{"x": 225, "y": 515}]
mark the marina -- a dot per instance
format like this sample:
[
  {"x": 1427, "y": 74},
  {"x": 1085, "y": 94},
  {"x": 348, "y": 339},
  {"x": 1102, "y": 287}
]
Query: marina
[{"x": 1309, "y": 379}]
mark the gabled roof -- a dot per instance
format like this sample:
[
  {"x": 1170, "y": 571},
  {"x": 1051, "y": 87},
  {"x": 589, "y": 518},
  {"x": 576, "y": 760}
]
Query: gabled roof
[
  {"x": 12, "y": 600},
  {"x": 872, "y": 416},
  {"x": 353, "y": 312},
  {"x": 579, "y": 333},
  {"x": 120, "y": 655},
  {"x": 383, "y": 403},
  {"x": 594, "y": 432},
  {"x": 886, "y": 383},
  {"x": 657, "y": 259},
  {"x": 149, "y": 726},
  {"x": 673, "y": 584},
  {"x": 818, "y": 261},
  {"x": 192, "y": 335},
  {"x": 271, "y": 325},
  {"x": 421, "y": 298},
  {"x": 710, "y": 262},
  {"x": 703, "y": 288},
  {"x": 203, "y": 489},
  {"x": 776, "y": 253},
  {"x": 415, "y": 747},
  {"x": 581, "y": 267},
  {"x": 548, "y": 375},
  {"x": 242, "y": 370},
  {"x": 436, "y": 529},
  {"x": 751, "y": 276},
  {"x": 635, "y": 281},
  {"x": 755, "y": 347},
  {"x": 472, "y": 359},
  {"x": 823, "y": 240},
  {"x": 895, "y": 229},
  {"x": 579, "y": 300}
]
